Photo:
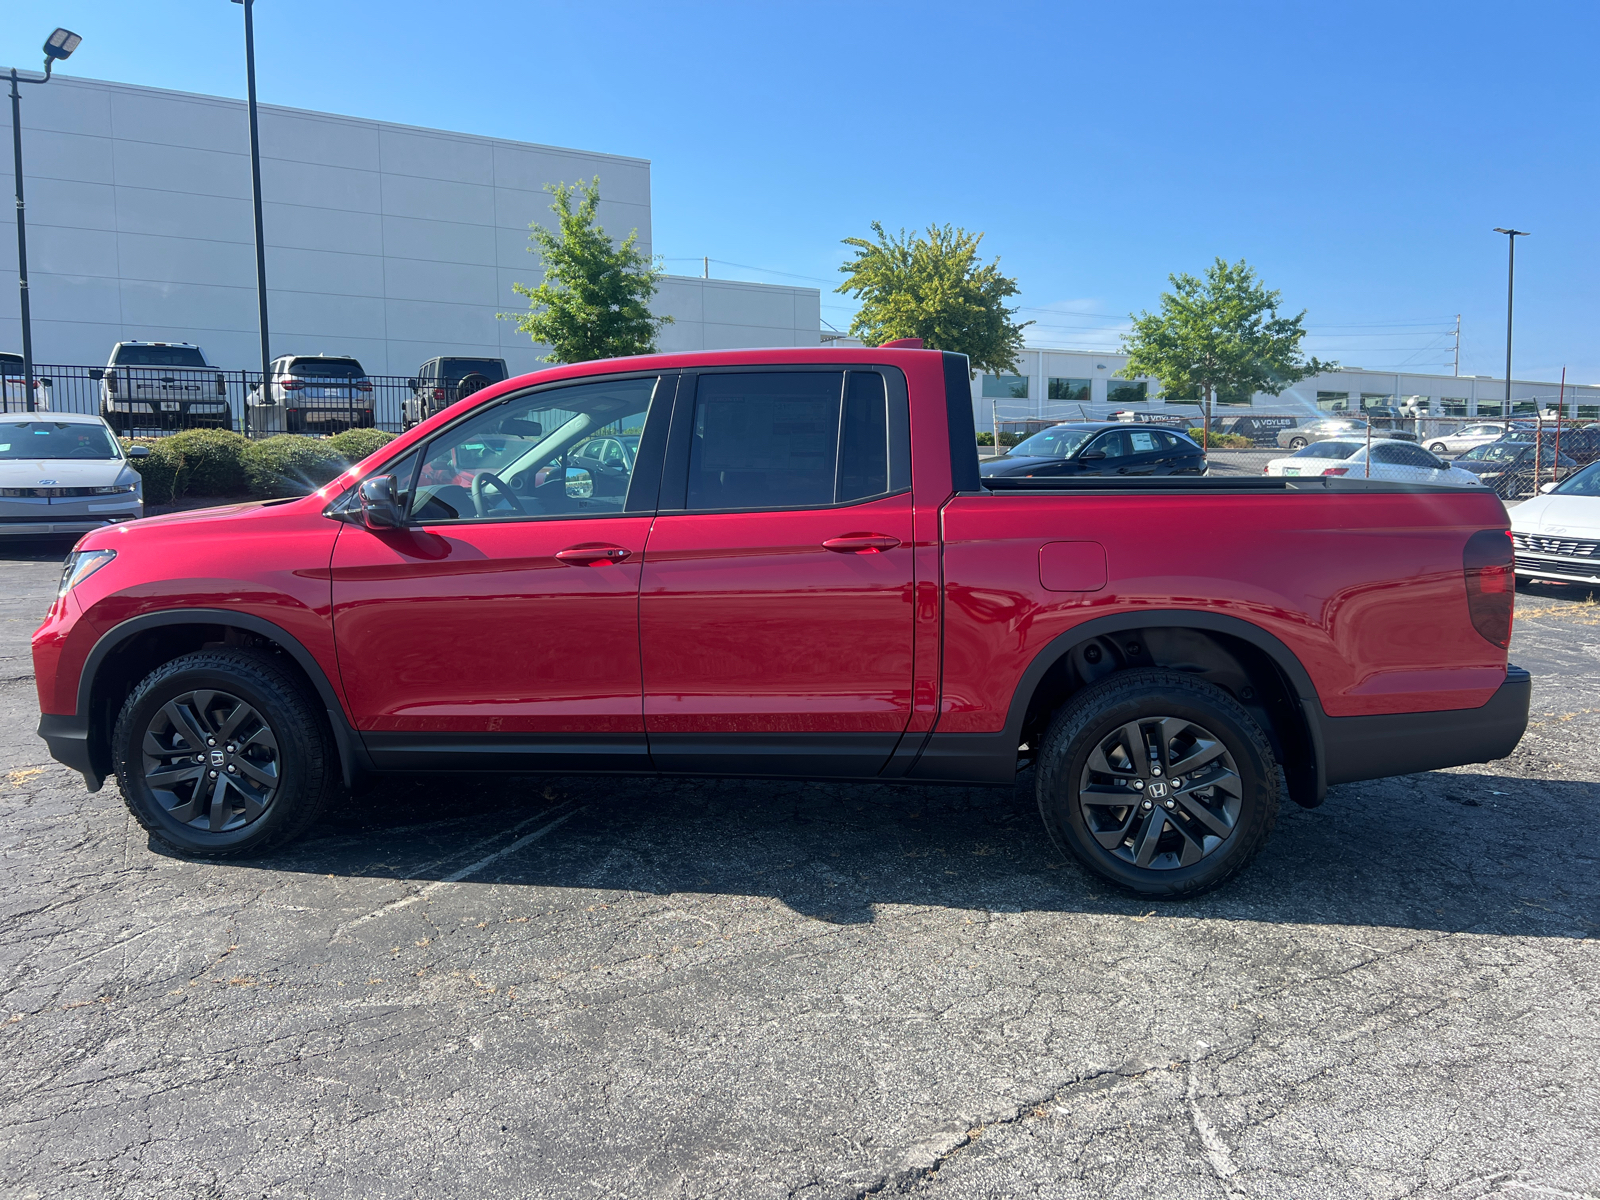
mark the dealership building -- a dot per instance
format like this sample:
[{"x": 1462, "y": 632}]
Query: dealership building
[
  {"x": 1064, "y": 385},
  {"x": 386, "y": 242}
]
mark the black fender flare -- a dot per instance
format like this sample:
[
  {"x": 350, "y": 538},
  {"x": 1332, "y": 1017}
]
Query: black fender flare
[
  {"x": 353, "y": 760},
  {"x": 991, "y": 757}
]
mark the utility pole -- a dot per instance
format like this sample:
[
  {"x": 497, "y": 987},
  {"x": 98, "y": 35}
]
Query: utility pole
[
  {"x": 255, "y": 193},
  {"x": 1457, "y": 370},
  {"x": 707, "y": 273},
  {"x": 1511, "y": 292}
]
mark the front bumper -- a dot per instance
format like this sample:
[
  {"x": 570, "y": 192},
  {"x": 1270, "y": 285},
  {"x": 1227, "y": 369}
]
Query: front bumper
[
  {"x": 68, "y": 739},
  {"x": 64, "y": 524},
  {"x": 1549, "y": 566}
]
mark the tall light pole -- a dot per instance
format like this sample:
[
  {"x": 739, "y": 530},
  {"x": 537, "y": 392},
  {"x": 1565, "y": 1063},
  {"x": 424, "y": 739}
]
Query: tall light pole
[
  {"x": 58, "y": 46},
  {"x": 1511, "y": 293},
  {"x": 255, "y": 193}
]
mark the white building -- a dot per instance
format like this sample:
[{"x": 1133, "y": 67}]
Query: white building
[
  {"x": 386, "y": 242},
  {"x": 1083, "y": 384}
]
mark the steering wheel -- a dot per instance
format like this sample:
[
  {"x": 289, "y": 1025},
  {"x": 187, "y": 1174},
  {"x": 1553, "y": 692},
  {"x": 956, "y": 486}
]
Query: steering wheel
[{"x": 487, "y": 478}]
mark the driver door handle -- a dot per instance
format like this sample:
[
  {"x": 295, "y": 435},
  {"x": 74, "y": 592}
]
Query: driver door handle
[
  {"x": 580, "y": 556},
  {"x": 861, "y": 543}
]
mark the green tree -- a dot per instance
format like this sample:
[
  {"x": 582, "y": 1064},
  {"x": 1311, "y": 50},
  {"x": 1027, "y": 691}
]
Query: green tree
[
  {"x": 595, "y": 298},
  {"x": 1220, "y": 335},
  {"x": 934, "y": 288}
]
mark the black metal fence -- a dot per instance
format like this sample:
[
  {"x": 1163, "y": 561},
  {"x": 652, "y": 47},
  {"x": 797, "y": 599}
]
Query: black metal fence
[{"x": 154, "y": 401}]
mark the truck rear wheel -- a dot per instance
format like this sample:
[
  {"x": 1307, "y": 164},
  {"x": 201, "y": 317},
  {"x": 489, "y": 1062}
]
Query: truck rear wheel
[
  {"x": 220, "y": 753},
  {"x": 1158, "y": 781}
]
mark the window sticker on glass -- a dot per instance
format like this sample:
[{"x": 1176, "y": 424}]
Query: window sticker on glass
[{"x": 1143, "y": 443}]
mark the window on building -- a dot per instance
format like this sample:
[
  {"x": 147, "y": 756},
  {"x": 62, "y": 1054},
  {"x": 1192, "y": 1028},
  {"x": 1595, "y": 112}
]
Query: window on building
[
  {"x": 1068, "y": 389},
  {"x": 1127, "y": 391},
  {"x": 1589, "y": 412},
  {"x": 1525, "y": 408},
  {"x": 1377, "y": 400},
  {"x": 1235, "y": 396},
  {"x": 1490, "y": 408},
  {"x": 1453, "y": 406},
  {"x": 1333, "y": 401},
  {"x": 1005, "y": 387}
]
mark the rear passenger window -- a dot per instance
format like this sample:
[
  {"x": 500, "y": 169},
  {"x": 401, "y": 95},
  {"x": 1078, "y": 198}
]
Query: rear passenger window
[
  {"x": 801, "y": 439},
  {"x": 1142, "y": 442}
]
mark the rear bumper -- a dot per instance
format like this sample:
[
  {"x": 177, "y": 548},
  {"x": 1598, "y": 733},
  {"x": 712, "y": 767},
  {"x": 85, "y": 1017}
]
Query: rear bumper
[
  {"x": 1357, "y": 748},
  {"x": 68, "y": 739}
]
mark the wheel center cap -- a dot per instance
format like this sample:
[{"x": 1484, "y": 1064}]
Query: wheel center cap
[
  {"x": 218, "y": 758},
  {"x": 1156, "y": 789}
]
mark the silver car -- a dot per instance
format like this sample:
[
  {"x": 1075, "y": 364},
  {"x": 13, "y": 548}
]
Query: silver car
[
  {"x": 64, "y": 473},
  {"x": 1297, "y": 436}
]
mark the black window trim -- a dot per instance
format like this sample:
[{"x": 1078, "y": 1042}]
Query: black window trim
[
  {"x": 652, "y": 451},
  {"x": 675, "y": 472}
]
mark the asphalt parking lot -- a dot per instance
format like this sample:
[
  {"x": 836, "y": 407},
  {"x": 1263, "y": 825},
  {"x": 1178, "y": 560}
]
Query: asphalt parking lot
[{"x": 571, "y": 987}]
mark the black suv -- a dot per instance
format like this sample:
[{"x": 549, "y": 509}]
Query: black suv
[{"x": 440, "y": 382}]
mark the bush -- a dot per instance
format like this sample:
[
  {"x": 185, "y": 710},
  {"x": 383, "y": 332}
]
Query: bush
[
  {"x": 1220, "y": 441},
  {"x": 291, "y": 464},
  {"x": 985, "y": 439},
  {"x": 1010, "y": 439},
  {"x": 162, "y": 472},
  {"x": 356, "y": 444},
  {"x": 213, "y": 462}
]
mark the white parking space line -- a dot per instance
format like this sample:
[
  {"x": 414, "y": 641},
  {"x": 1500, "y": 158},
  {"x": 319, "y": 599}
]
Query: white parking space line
[{"x": 470, "y": 870}]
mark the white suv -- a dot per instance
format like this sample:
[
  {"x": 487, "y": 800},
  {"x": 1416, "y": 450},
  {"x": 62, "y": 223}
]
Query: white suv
[{"x": 160, "y": 387}]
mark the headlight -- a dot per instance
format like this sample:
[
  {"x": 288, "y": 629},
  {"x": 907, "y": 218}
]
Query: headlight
[
  {"x": 116, "y": 489},
  {"x": 80, "y": 565}
]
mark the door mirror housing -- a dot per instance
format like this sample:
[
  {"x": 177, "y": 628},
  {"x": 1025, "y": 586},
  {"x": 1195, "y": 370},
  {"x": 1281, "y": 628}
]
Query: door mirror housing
[
  {"x": 138, "y": 451},
  {"x": 1547, "y": 488},
  {"x": 1092, "y": 456},
  {"x": 380, "y": 503},
  {"x": 412, "y": 384}
]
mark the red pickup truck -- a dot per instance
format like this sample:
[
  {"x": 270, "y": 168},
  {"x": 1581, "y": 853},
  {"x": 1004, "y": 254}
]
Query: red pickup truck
[{"x": 784, "y": 564}]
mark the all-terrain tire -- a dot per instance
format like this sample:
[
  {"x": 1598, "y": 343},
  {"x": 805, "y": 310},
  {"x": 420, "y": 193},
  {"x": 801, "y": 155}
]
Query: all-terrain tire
[
  {"x": 1126, "y": 698},
  {"x": 302, "y": 759}
]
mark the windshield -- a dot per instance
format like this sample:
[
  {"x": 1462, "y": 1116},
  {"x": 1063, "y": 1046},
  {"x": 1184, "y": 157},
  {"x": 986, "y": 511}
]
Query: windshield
[
  {"x": 1057, "y": 442},
  {"x": 1496, "y": 452},
  {"x": 1584, "y": 483},
  {"x": 55, "y": 439},
  {"x": 1334, "y": 450},
  {"x": 337, "y": 368},
  {"x": 159, "y": 356}
]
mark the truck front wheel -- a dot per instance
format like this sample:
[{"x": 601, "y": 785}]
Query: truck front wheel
[
  {"x": 220, "y": 753},
  {"x": 1158, "y": 781}
]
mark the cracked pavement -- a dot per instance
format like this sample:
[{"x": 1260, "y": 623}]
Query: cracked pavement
[{"x": 573, "y": 987}]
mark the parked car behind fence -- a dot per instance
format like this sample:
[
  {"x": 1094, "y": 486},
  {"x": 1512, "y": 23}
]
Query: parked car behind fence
[
  {"x": 312, "y": 393},
  {"x": 161, "y": 387},
  {"x": 440, "y": 382}
]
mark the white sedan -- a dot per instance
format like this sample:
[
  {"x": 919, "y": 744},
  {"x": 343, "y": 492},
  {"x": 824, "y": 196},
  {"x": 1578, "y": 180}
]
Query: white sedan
[
  {"x": 1465, "y": 439},
  {"x": 1557, "y": 533},
  {"x": 1392, "y": 462}
]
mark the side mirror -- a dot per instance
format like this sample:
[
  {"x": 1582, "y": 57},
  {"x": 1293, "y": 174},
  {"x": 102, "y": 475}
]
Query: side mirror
[
  {"x": 380, "y": 506},
  {"x": 580, "y": 484},
  {"x": 1091, "y": 456},
  {"x": 138, "y": 451},
  {"x": 412, "y": 384},
  {"x": 97, "y": 373}
]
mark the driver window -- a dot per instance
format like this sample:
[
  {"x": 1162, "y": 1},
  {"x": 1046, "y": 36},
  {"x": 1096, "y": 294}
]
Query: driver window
[
  {"x": 1112, "y": 445},
  {"x": 534, "y": 456}
]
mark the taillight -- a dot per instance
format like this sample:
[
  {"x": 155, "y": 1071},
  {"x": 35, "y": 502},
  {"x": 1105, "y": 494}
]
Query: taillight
[
  {"x": 363, "y": 385},
  {"x": 1491, "y": 572},
  {"x": 222, "y": 385},
  {"x": 111, "y": 382},
  {"x": 438, "y": 393},
  {"x": 1337, "y": 471},
  {"x": 290, "y": 384}
]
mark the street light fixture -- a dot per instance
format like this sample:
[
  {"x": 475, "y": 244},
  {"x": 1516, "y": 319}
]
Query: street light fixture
[
  {"x": 1511, "y": 290},
  {"x": 60, "y": 45}
]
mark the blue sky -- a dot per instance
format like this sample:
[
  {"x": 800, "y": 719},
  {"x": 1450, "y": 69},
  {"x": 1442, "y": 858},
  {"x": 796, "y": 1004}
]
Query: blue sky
[{"x": 1357, "y": 154}]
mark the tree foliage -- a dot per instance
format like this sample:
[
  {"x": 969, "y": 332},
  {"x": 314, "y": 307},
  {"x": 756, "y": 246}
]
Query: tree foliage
[
  {"x": 934, "y": 288},
  {"x": 1219, "y": 336},
  {"x": 595, "y": 298}
]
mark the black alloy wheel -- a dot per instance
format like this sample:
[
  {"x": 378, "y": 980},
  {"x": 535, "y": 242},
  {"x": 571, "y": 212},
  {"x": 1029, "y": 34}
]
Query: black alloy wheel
[
  {"x": 211, "y": 760},
  {"x": 222, "y": 753},
  {"x": 1158, "y": 781}
]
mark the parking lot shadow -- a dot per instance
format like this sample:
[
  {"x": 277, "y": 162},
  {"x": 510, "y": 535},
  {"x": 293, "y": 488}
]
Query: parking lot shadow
[{"x": 1440, "y": 851}]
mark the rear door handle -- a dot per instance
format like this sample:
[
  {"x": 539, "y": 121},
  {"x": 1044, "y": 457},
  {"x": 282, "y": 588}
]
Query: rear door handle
[
  {"x": 579, "y": 556},
  {"x": 861, "y": 543}
]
